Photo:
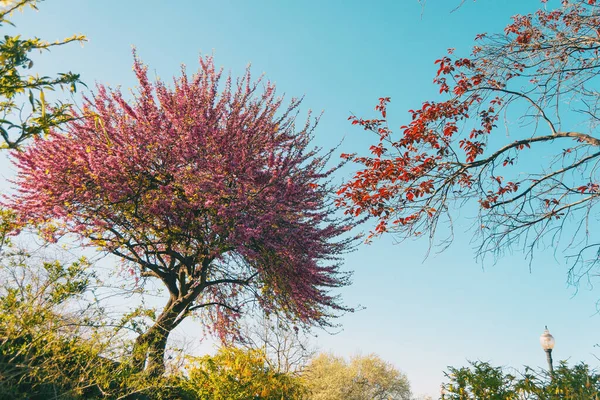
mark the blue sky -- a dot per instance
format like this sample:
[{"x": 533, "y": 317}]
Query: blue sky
[{"x": 421, "y": 315}]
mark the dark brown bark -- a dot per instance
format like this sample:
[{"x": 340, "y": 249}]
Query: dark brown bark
[
  {"x": 149, "y": 348},
  {"x": 149, "y": 351}
]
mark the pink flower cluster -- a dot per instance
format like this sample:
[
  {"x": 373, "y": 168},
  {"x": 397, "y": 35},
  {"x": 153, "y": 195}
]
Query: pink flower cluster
[{"x": 190, "y": 176}]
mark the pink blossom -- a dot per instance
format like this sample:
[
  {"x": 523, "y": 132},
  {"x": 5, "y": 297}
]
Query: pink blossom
[{"x": 202, "y": 177}]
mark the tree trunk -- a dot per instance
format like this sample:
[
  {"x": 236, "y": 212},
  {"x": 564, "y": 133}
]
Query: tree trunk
[{"x": 149, "y": 348}]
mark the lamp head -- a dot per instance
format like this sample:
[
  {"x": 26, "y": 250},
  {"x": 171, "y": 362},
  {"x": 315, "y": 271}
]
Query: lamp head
[{"x": 547, "y": 340}]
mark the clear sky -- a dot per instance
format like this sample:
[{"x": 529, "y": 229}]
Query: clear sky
[{"x": 421, "y": 315}]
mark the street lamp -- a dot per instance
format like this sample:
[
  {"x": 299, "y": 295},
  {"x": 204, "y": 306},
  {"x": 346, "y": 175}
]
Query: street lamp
[{"x": 547, "y": 342}]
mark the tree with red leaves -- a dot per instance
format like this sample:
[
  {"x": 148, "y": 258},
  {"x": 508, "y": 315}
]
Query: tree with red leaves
[
  {"x": 209, "y": 187},
  {"x": 515, "y": 135}
]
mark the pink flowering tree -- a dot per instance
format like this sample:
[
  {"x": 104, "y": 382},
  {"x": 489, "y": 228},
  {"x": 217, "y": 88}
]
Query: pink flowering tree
[{"x": 209, "y": 187}]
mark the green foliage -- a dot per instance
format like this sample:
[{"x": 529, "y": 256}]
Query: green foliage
[
  {"x": 328, "y": 377},
  {"x": 235, "y": 373},
  {"x": 7, "y": 225},
  {"x": 481, "y": 381},
  {"x": 51, "y": 347},
  {"x": 54, "y": 344},
  {"x": 578, "y": 382},
  {"x": 17, "y": 87}
]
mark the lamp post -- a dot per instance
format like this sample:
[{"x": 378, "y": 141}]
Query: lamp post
[{"x": 547, "y": 342}]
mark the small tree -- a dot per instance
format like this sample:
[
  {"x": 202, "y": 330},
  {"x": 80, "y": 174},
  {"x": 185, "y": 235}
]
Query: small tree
[
  {"x": 15, "y": 52},
  {"x": 328, "y": 377},
  {"x": 215, "y": 194},
  {"x": 515, "y": 135},
  {"x": 286, "y": 348}
]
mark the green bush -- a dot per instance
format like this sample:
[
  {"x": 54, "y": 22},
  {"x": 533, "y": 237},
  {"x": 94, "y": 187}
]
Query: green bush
[
  {"x": 482, "y": 381},
  {"x": 239, "y": 374}
]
